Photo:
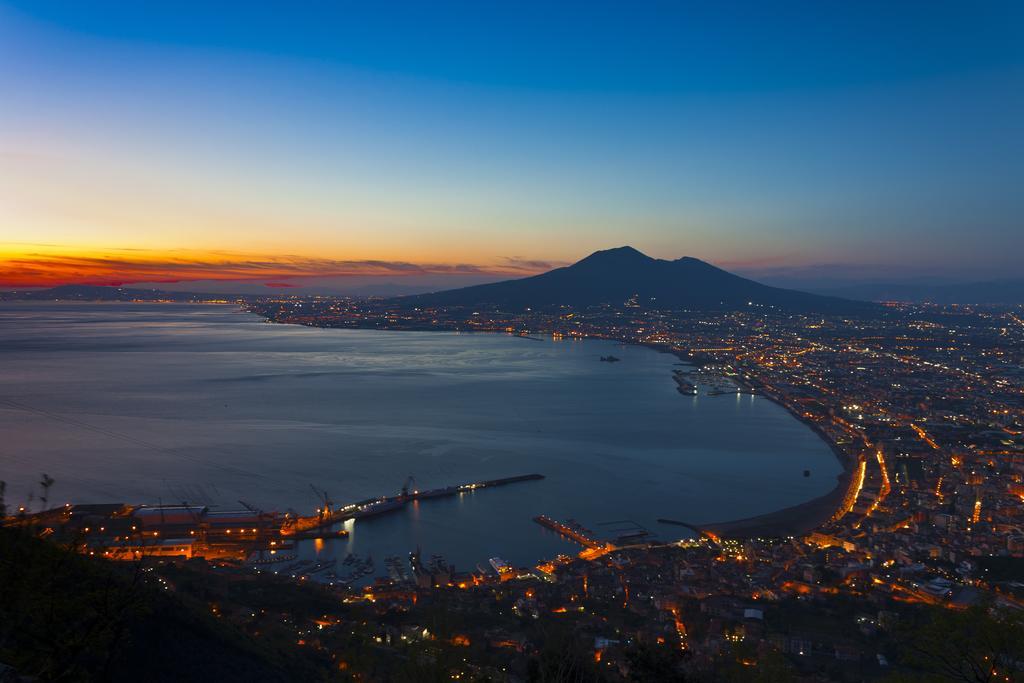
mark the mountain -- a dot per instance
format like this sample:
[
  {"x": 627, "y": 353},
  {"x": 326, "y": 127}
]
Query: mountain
[{"x": 614, "y": 276}]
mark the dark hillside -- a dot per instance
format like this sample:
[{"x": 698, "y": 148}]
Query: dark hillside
[{"x": 68, "y": 617}]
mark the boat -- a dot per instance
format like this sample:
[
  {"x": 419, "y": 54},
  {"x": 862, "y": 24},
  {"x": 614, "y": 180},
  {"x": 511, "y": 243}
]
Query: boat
[
  {"x": 500, "y": 566},
  {"x": 396, "y": 570},
  {"x": 273, "y": 559},
  {"x": 323, "y": 566}
]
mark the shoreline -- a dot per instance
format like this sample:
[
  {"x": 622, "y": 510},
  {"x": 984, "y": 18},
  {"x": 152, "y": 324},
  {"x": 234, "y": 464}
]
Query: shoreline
[
  {"x": 795, "y": 520},
  {"x": 804, "y": 517}
]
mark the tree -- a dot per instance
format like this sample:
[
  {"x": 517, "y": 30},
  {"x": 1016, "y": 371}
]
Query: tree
[
  {"x": 744, "y": 662},
  {"x": 562, "y": 658},
  {"x": 976, "y": 645},
  {"x": 654, "y": 663}
]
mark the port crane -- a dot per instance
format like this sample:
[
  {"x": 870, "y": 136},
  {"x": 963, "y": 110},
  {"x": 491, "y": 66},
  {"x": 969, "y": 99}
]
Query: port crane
[
  {"x": 250, "y": 508},
  {"x": 325, "y": 511},
  {"x": 195, "y": 519},
  {"x": 409, "y": 485}
]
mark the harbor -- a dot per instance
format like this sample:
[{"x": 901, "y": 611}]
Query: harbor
[
  {"x": 713, "y": 381},
  {"x": 613, "y": 440},
  {"x": 263, "y": 540}
]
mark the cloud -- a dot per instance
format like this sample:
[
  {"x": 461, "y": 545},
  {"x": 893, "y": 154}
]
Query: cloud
[
  {"x": 52, "y": 267},
  {"x": 530, "y": 265}
]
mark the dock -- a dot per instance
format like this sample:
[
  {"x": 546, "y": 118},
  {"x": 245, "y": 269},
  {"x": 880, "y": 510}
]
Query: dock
[
  {"x": 574, "y": 532},
  {"x": 683, "y": 384},
  {"x": 372, "y": 507},
  {"x": 593, "y": 548}
]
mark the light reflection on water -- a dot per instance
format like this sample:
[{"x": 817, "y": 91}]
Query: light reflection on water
[{"x": 148, "y": 403}]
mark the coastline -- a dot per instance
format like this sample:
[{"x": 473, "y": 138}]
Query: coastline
[{"x": 795, "y": 520}]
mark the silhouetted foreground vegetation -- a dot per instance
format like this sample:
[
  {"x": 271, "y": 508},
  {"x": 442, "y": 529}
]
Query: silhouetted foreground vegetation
[
  {"x": 972, "y": 645},
  {"x": 71, "y": 618}
]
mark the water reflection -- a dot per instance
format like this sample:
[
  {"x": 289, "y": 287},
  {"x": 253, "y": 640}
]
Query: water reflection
[{"x": 140, "y": 403}]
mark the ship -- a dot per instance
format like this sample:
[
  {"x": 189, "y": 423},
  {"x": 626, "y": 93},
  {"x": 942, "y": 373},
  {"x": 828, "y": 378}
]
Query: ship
[
  {"x": 377, "y": 507},
  {"x": 500, "y": 566}
]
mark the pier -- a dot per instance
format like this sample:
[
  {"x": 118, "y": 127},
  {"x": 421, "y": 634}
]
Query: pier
[
  {"x": 383, "y": 504},
  {"x": 593, "y": 547},
  {"x": 683, "y": 383},
  {"x": 574, "y": 532}
]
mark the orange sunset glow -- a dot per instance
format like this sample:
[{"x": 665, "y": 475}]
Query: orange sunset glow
[
  {"x": 141, "y": 153},
  {"x": 41, "y": 266}
]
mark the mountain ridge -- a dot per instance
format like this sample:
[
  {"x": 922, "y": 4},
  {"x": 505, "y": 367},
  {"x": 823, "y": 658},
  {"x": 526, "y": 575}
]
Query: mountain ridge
[{"x": 614, "y": 276}]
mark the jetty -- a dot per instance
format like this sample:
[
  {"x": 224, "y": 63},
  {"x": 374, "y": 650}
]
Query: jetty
[{"x": 328, "y": 516}]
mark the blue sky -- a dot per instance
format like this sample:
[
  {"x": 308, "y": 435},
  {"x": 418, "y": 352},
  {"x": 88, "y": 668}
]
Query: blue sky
[{"x": 861, "y": 140}]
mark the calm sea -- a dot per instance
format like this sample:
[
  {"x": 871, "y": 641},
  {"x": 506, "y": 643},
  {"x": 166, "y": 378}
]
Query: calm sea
[{"x": 149, "y": 403}]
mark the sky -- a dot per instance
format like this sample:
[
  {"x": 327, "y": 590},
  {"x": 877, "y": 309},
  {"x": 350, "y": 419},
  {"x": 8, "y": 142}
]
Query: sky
[{"x": 328, "y": 146}]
